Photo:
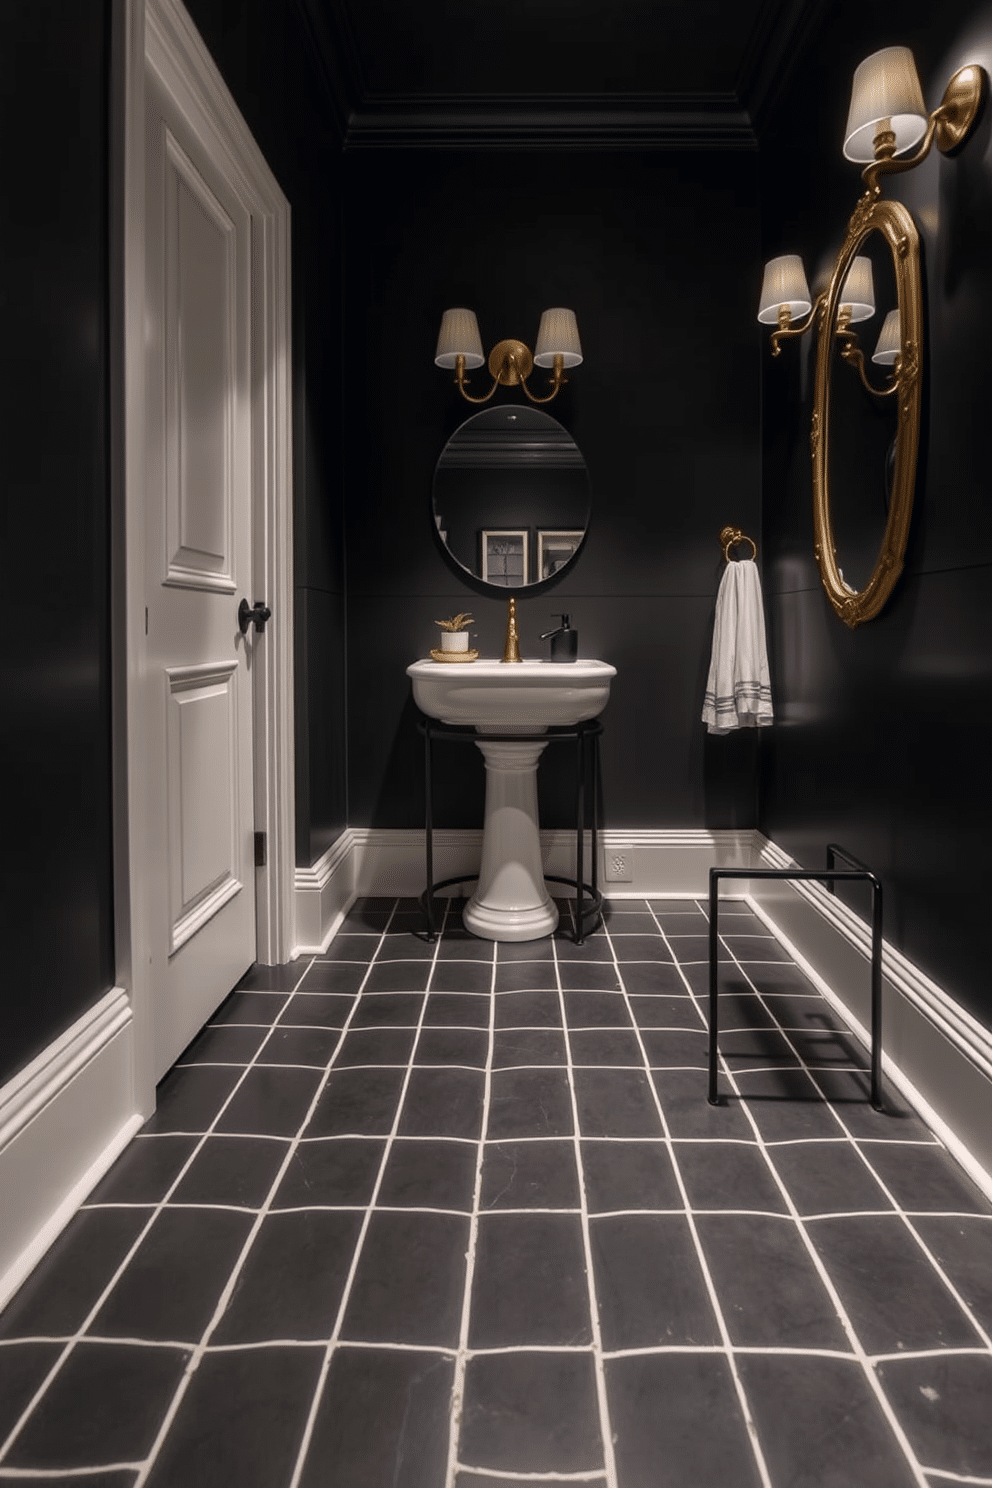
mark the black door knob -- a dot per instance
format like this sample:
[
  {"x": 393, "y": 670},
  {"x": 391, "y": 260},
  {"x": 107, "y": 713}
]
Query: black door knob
[{"x": 259, "y": 612}]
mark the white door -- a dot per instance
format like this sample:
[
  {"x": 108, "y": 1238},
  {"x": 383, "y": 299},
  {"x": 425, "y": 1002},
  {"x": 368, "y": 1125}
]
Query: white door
[{"x": 198, "y": 566}]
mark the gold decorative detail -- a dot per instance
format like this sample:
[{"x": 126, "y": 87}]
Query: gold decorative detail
[
  {"x": 510, "y": 364},
  {"x": 454, "y": 656},
  {"x": 511, "y": 648},
  {"x": 814, "y": 435},
  {"x": 461, "y": 621},
  {"x": 730, "y": 537}
]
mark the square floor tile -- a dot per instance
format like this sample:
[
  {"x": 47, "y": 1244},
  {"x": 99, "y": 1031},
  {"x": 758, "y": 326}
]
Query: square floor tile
[
  {"x": 665, "y": 1012},
  {"x": 409, "y": 1282},
  {"x": 786, "y": 1105},
  {"x": 688, "y": 1113},
  {"x": 232, "y": 1170},
  {"x": 357, "y": 1102},
  {"x": 616, "y": 1103},
  {"x": 658, "y": 1404},
  {"x": 596, "y": 1009},
  {"x": 525, "y": 976},
  {"x": 253, "y": 1008},
  {"x": 388, "y": 1010},
  {"x": 728, "y": 1175},
  {"x": 271, "y": 1101},
  {"x": 272, "y": 978},
  {"x": 429, "y": 1175},
  {"x": 593, "y": 948},
  {"x": 446, "y": 1046},
  {"x": 769, "y": 1289},
  {"x": 827, "y": 1178},
  {"x": 189, "y": 1099},
  {"x": 407, "y": 945},
  {"x": 381, "y": 1408},
  {"x": 605, "y": 1046},
  {"x": 324, "y": 1010},
  {"x": 524, "y": 950},
  {"x": 347, "y": 946},
  {"x": 519, "y": 1046},
  {"x": 342, "y": 978},
  {"x": 292, "y": 1280},
  {"x": 530, "y": 1175},
  {"x": 145, "y": 1171},
  {"x": 227, "y": 1043},
  {"x": 462, "y": 945},
  {"x": 530, "y": 1285},
  {"x": 241, "y": 1420},
  {"x": 443, "y": 1103},
  {"x": 649, "y": 1286},
  {"x": 640, "y": 948},
  {"x": 629, "y": 1175},
  {"x": 962, "y": 1247},
  {"x": 529, "y": 1103},
  {"x": 330, "y": 1172},
  {"x": 675, "y": 1048},
  {"x": 398, "y": 976},
  {"x": 925, "y": 1179},
  {"x": 531, "y": 1413},
  {"x": 589, "y": 976},
  {"x": 538, "y": 1009},
  {"x": 652, "y": 979},
  {"x": 68, "y": 1282},
  {"x": 456, "y": 1010},
  {"x": 372, "y": 1046},
  {"x": 312, "y": 1047},
  {"x": 462, "y": 976},
  {"x": 23, "y": 1368},
  {"x": 942, "y": 1403}
]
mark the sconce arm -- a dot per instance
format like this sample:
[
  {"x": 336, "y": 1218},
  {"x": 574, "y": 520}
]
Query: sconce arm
[
  {"x": 853, "y": 355},
  {"x": 460, "y": 384},
  {"x": 786, "y": 331},
  {"x": 894, "y": 166},
  {"x": 557, "y": 379}
]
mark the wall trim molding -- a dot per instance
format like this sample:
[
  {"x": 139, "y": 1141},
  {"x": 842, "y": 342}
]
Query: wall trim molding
[
  {"x": 658, "y": 124},
  {"x": 63, "y": 1120}
]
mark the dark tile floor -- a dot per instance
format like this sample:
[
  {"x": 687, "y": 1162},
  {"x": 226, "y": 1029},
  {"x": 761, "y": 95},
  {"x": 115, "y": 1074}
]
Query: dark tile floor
[{"x": 453, "y": 1215}]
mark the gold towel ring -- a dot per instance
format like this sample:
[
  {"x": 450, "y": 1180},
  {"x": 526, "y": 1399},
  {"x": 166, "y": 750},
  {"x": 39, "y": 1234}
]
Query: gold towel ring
[{"x": 730, "y": 537}]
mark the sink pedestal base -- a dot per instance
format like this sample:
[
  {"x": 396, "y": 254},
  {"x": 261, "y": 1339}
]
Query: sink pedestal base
[{"x": 511, "y": 901}]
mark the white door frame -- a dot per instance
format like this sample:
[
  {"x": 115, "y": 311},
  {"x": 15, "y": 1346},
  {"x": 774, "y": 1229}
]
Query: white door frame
[{"x": 161, "y": 36}]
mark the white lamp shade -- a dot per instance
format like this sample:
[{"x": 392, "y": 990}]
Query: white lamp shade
[
  {"x": 558, "y": 335},
  {"x": 858, "y": 294},
  {"x": 459, "y": 336},
  {"x": 784, "y": 284},
  {"x": 886, "y": 88},
  {"x": 889, "y": 342}
]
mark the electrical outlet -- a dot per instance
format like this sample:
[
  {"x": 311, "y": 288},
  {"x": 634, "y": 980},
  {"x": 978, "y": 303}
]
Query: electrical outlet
[{"x": 619, "y": 865}]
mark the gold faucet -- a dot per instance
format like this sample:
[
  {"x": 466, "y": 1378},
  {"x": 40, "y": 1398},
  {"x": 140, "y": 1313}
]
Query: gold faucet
[{"x": 511, "y": 648}]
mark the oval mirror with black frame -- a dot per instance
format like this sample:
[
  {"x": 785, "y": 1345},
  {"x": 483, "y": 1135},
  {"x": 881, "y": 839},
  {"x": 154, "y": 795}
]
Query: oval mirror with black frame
[
  {"x": 861, "y": 601},
  {"x": 511, "y": 499}
]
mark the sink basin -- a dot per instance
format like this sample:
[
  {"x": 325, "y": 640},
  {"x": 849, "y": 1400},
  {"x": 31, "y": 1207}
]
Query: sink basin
[
  {"x": 511, "y": 697},
  {"x": 511, "y": 901}
]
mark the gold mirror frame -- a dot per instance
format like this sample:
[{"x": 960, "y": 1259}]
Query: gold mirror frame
[{"x": 893, "y": 221}]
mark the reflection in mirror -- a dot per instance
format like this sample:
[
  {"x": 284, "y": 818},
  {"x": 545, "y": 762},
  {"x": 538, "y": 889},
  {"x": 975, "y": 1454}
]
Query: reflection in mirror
[
  {"x": 862, "y": 431},
  {"x": 511, "y": 497}
]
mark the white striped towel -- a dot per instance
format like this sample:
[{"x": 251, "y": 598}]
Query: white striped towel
[{"x": 738, "y": 690}]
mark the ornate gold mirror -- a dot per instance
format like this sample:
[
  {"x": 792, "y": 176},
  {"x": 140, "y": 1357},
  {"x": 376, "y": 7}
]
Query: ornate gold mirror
[{"x": 893, "y": 222}]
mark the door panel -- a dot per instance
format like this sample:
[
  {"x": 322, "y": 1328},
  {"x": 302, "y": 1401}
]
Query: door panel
[{"x": 198, "y": 562}]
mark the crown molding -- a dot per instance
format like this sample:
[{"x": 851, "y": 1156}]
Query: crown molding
[{"x": 781, "y": 35}]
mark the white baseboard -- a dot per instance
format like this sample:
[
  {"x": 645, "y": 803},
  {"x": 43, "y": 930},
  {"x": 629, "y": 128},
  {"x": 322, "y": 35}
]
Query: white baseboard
[
  {"x": 936, "y": 1053},
  {"x": 63, "y": 1120}
]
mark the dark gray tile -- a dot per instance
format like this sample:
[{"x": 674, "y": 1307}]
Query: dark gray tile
[
  {"x": 465, "y": 1046},
  {"x": 640, "y": 948},
  {"x": 189, "y": 1099},
  {"x": 530, "y": 1285},
  {"x": 593, "y": 948},
  {"x": 346, "y": 946},
  {"x": 649, "y": 1286},
  {"x": 270, "y": 1101},
  {"x": 410, "y": 1280},
  {"x": 589, "y": 976},
  {"x": 616, "y": 1103},
  {"x": 525, "y": 976},
  {"x": 963, "y": 1247},
  {"x": 429, "y": 1175},
  {"x": 799, "y": 1401},
  {"x": 630, "y": 922},
  {"x": 891, "y": 1293},
  {"x": 330, "y": 1172},
  {"x": 462, "y": 945},
  {"x": 818, "y": 1047},
  {"x": 757, "y": 1048},
  {"x": 528, "y": 1010},
  {"x": 376, "y": 1046},
  {"x": 803, "y": 1012},
  {"x": 145, "y": 1171},
  {"x": 388, "y": 1010},
  {"x": 23, "y": 1367},
  {"x": 827, "y": 1178},
  {"x": 675, "y": 1048},
  {"x": 652, "y": 979},
  {"x": 529, "y": 1103},
  {"x": 658, "y": 1404},
  {"x": 896, "y": 1123},
  {"x": 443, "y": 1103},
  {"x": 728, "y": 1175},
  {"x": 786, "y": 1105},
  {"x": 232, "y": 1170},
  {"x": 462, "y": 976},
  {"x": 926, "y": 1179},
  {"x": 398, "y": 976},
  {"x": 371, "y": 912},
  {"x": 241, "y": 1420},
  {"x": 343, "y": 978},
  {"x": 316, "y": 1010},
  {"x": 456, "y": 1010},
  {"x": 271, "y": 978},
  {"x": 530, "y": 1413},
  {"x": 767, "y": 1283},
  {"x": 260, "y": 1008},
  {"x": 358, "y": 1102},
  {"x": 629, "y": 1175},
  {"x": 406, "y": 944},
  {"x": 525, "y": 1046},
  {"x": 942, "y": 1405},
  {"x": 304, "y": 1046},
  {"x": 171, "y": 1285},
  {"x": 228, "y": 1043},
  {"x": 67, "y": 1283},
  {"x": 596, "y": 1009},
  {"x": 605, "y": 1046},
  {"x": 381, "y": 1408},
  {"x": 740, "y": 1010},
  {"x": 731, "y": 980},
  {"x": 525, "y": 950},
  {"x": 530, "y": 1175},
  {"x": 291, "y": 1283},
  {"x": 689, "y": 947},
  {"x": 688, "y": 1113},
  {"x": 748, "y": 948},
  {"x": 665, "y": 1012},
  {"x": 75, "y": 1425}
]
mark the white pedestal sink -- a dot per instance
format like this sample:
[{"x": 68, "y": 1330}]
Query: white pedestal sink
[{"x": 511, "y": 901}]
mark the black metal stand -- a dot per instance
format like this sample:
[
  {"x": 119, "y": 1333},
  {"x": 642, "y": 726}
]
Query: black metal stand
[
  {"x": 831, "y": 876},
  {"x": 586, "y": 736}
]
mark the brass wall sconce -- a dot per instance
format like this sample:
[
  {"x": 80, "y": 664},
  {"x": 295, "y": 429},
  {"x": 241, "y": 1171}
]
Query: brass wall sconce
[
  {"x": 459, "y": 347},
  {"x": 887, "y": 118}
]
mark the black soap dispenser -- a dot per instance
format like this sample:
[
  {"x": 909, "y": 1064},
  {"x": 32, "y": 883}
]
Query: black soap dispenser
[{"x": 564, "y": 641}]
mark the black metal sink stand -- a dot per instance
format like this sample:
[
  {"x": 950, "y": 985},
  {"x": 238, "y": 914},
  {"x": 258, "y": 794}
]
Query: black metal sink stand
[
  {"x": 586, "y": 737},
  {"x": 831, "y": 876}
]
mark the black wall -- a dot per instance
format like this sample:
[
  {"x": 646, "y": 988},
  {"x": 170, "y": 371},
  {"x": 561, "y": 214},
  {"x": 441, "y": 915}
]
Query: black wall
[
  {"x": 881, "y": 734},
  {"x": 659, "y": 255},
  {"x": 57, "y": 873}
]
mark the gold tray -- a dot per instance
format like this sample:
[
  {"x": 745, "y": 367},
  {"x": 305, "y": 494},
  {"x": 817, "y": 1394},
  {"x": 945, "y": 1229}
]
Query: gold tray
[{"x": 454, "y": 656}]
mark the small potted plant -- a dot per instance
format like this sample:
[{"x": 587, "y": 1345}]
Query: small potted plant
[{"x": 454, "y": 632}]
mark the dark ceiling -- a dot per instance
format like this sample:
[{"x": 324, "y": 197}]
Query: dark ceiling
[{"x": 654, "y": 73}]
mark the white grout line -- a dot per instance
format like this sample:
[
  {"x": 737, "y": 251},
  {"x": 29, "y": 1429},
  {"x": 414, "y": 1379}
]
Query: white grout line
[{"x": 944, "y": 1475}]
